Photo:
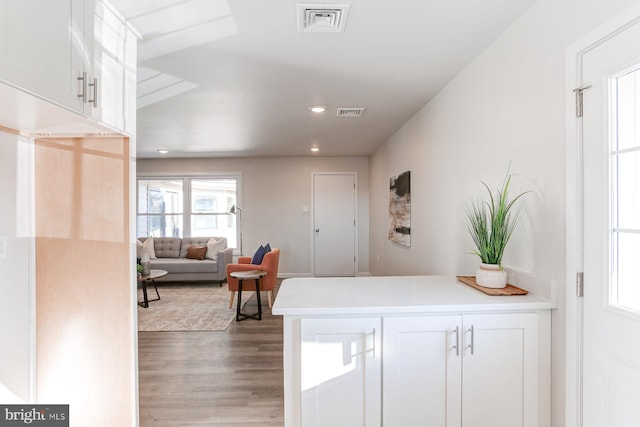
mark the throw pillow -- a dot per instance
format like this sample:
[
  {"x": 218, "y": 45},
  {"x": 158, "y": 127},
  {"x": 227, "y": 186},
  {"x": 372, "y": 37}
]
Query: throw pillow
[
  {"x": 196, "y": 252},
  {"x": 147, "y": 248},
  {"x": 267, "y": 247},
  {"x": 214, "y": 246},
  {"x": 257, "y": 257}
]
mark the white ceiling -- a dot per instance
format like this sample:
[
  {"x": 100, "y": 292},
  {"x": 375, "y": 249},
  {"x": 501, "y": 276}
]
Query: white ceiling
[{"x": 222, "y": 78}]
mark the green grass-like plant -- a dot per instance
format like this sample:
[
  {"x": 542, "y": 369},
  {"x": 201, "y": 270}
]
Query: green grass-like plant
[{"x": 491, "y": 223}]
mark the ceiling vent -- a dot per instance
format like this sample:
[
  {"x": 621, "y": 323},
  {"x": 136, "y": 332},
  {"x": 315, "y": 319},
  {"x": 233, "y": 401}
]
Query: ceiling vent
[
  {"x": 322, "y": 18},
  {"x": 350, "y": 111}
]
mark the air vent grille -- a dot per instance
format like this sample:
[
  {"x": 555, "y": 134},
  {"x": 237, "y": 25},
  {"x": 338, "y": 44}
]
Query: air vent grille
[
  {"x": 350, "y": 111},
  {"x": 325, "y": 18}
]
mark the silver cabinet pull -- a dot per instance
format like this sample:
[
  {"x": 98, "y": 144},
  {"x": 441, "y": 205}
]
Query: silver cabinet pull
[
  {"x": 472, "y": 346},
  {"x": 83, "y": 92},
  {"x": 94, "y": 85},
  {"x": 457, "y": 346}
]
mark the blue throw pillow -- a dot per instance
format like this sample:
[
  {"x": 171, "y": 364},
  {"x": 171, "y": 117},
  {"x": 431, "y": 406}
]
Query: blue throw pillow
[
  {"x": 267, "y": 248},
  {"x": 257, "y": 257}
]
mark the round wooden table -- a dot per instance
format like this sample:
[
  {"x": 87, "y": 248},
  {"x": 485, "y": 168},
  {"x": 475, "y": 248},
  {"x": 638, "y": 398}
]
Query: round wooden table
[
  {"x": 255, "y": 275},
  {"x": 144, "y": 280}
]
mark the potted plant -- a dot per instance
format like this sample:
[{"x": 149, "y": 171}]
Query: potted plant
[{"x": 491, "y": 224}]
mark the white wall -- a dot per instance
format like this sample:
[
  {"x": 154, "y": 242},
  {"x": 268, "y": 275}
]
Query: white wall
[
  {"x": 15, "y": 269},
  {"x": 507, "y": 106},
  {"x": 274, "y": 190}
]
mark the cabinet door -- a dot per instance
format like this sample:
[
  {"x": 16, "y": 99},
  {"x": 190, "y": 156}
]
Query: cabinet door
[
  {"x": 340, "y": 372},
  {"x": 38, "y": 55},
  {"x": 3, "y": 36},
  {"x": 130, "y": 83},
  {"x": 500, "y": 370},
  {"x": 421, "y": 371},
  {"x": 107, "y": 82}
]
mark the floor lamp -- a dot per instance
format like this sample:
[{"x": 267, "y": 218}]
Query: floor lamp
[{"x": 235, "y": 210}]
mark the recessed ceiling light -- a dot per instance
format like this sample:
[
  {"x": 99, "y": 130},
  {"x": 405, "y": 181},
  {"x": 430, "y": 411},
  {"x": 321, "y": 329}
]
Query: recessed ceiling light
[
  {"x": 163, "y": 150},
  {"x": 318, "y": 108},
  {"x": 315, "y": 149}
]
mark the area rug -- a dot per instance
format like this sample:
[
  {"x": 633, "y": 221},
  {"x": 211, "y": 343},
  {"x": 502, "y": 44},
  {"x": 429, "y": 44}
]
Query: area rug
[{"x": 188, "y": 308}]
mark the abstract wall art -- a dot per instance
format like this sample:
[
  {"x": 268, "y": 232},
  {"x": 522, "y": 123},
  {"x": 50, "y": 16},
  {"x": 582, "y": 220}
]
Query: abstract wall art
[{"x": 400, "y": 208}]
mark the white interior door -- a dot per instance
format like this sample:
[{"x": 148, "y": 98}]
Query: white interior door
[
  {"x": 334, "y": 224},
  {"x": 611, "y": 185}
]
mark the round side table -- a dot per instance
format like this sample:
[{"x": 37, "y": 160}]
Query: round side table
[
  {"x": 150, "y": 278},
  {"x": 254, "y": 275}
]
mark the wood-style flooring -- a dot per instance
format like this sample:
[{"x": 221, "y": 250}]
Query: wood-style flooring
[{"x": 225, "y": 378}]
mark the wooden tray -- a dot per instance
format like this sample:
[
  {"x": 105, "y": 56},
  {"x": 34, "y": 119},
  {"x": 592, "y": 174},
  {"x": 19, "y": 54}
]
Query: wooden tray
[{"x": 508, "y": 290}]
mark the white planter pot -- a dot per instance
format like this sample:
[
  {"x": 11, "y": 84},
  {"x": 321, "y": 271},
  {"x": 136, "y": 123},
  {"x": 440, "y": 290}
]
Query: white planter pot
[{"x": 491, "y": 276}]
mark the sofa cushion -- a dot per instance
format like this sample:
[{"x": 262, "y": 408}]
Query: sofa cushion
[
  {"x": 188, "y": 241},
  {"x": 257, "y": 257},
  {"x": 145, "y": 246},
  {"x": 185, "y": 265},
  {"x": 214, "y": 246},
  {"x": 167, "y": 247},
  {"x": 196, "y": 252}
]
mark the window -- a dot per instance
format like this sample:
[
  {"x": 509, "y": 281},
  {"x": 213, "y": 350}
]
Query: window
[
  {"x": 625, "y": 193},
  {"x": 160, "y": 204},
  {"x": 183, "y": 206},
  {"x": 211, "y": 199}
]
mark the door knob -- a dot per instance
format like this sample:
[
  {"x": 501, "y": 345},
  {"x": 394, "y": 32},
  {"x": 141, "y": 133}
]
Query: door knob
[{"x": 317, "y": 230}]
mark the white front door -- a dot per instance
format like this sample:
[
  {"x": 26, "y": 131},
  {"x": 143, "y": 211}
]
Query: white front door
[
  {"x": 611, "y": 185},
  {"x": 334, "y": 224}
]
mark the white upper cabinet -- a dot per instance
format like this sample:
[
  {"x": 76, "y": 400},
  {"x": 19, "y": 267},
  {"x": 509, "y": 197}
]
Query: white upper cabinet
[
  {"x": 113, "y": 81},
  {"x": 130, "y": 82},
  {"x": 38, "y": 54},
  {"x": 79, "y": 54}
]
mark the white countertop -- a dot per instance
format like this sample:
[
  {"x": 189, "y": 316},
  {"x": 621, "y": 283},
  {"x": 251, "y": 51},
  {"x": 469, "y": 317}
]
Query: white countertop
[{"x": 393, "y": 295}]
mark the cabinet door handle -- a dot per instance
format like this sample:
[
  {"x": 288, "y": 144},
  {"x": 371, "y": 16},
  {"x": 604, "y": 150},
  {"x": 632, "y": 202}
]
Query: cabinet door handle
[
  {"x": 83, "y": 91},
  {"x": 94, "y": 85},
  {"x": 373, "y": 343},
  {"x": 472, "y": 345},
  {"x": 457, "y": 346}
]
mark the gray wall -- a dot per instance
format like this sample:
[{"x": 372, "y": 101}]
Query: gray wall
[{"x": 274, "y": 191}]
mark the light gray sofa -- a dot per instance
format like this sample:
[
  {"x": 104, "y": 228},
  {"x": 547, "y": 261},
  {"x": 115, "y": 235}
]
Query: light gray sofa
[{"x": 171, "y": 255}]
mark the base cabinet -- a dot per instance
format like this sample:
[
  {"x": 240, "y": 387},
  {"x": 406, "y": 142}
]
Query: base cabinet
[
  {"x": 340, "y": 372},
  {"x": 469, "y": 370},
  {"x": 460, "y": 370},
  {"x": 422, "y": 371}
]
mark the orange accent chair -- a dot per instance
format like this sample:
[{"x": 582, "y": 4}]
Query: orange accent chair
[{"x": 267, "y": 283}]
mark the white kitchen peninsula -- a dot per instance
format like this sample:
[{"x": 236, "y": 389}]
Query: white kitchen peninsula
[{"x": 414, "y": 350}]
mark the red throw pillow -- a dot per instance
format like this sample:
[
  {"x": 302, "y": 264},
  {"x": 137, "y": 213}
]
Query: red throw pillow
[{"x": 196, "y": 252}]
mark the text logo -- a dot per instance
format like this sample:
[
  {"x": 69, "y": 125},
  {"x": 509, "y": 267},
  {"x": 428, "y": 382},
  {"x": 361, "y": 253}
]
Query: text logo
[{"x": 34, "y": 415}]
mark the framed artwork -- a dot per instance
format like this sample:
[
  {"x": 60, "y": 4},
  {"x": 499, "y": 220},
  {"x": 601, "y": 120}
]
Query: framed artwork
[{"x": 400, "y": 208}]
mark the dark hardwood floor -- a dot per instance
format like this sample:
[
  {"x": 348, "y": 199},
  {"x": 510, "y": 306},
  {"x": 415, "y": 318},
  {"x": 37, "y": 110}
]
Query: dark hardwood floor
[{"x": 228, "y": 378}]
